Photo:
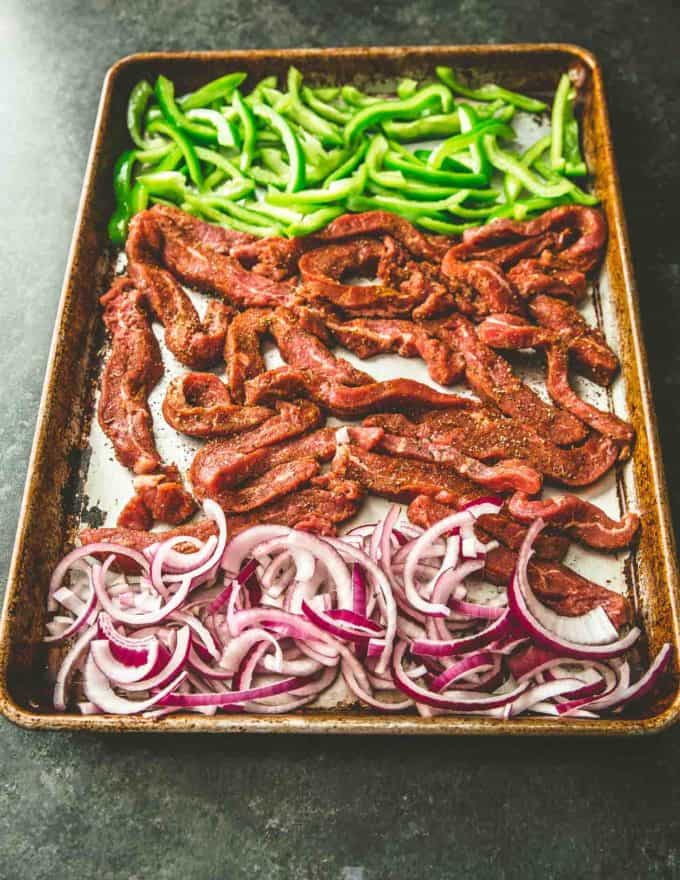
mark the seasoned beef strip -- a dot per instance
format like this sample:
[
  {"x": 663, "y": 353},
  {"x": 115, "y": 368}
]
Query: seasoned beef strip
[
  {"x": 584, "y": 521},
  {"x": 492, "y": 378},
  {"x": 502, "y": 477},
  {"x": 487, "y": 435},
  {"x": 132, "y": 370},
  {"x": 199, "y": 404}
]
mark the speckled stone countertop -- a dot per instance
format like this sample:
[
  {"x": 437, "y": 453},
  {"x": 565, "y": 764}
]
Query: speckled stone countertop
[{"x": 223, "y": 808}]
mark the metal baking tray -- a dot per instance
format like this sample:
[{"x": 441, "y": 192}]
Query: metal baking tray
[{"x": 66, "y": 460}]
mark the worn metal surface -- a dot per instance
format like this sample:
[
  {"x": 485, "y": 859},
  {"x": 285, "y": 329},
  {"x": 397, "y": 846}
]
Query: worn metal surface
[{"x": 61, "y": 460}]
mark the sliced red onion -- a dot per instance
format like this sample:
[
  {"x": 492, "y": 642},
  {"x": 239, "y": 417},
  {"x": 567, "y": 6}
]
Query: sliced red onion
[
  {"x": 481, "y": 661},
  {"x": 170, "y": 670},
  {"x": 340, "y": 629},
  {"x": 384, "y": 587},
  {"x": 90, "y": 550},
  {"x": 594, "y": 629},
  {"x": 122, "y": 673},
  {"x": 126, "y": 650},
  {"x": 284, "y": 686},
  {"x": 99, "y": 691},
  {"x": 82, "y": 617},
  {"x": 68, "y": 666},
  {"x": 421, "y": 548},
  {"x": 460, "y": 701},
  {"x": 358, "y": 589},
  {"x": 481, "y": 506},
  {"x": 436, "y": 648}
]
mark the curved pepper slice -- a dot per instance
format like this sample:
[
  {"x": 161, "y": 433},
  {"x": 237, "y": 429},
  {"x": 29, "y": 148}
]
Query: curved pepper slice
[
  {"x": 489, "y": 92},
  {"x": 296, "y": 158},
  {"x": 376, "y": 113}
]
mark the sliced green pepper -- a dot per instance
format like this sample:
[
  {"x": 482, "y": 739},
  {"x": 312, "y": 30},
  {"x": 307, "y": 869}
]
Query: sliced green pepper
[
  {"x": 557, "y": 159},
  {"x": 325, "y": 109},
  {"x": 347, "y": 167},
  {"x": 139, "y": 98},
  {"x": 489, "y": 92},
  {"x": 291, "y": 105},
  {"x": 226, "y": 136},
  {"x": 169, "y": 185},
  {"x": 219, "y": 161},
  {"x": 443, "y": 227},
  {"x": 139, "y": 198},
  {"x": 187, "y": 148},
  {"x": 512, "y": 185},
  {"x": 273, "y": 212},
  {"x": 248, "y": 130},
  {"x": 165, "y": 95},
  {"x": 256, "y": 95},
  {"x": 437, "y": 125},
  {"x": 357, "y": 98},
  {"x": 327, "y": 93},
  {"x": 575, "y": 192},
  {"x": 296, "y": 158},
  {"x": 335, "y": 192},
  {"x": 402, "y": 207},
  {"x": 407, "y": 87},
  {"x": 122, "y": 186},
  {"x": 396, "y": 162},
  {"x": 507, "y": 163},
  {"x": 455, "y": 144},
  {"x": 371, "y": 116},
  {"x": 469, "y": 121},
  {"x": 313, "y": 222},
  {"x": 218, "y": 90}
]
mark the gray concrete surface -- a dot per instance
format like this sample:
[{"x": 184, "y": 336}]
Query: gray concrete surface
[{"x": 308, "y": 807}]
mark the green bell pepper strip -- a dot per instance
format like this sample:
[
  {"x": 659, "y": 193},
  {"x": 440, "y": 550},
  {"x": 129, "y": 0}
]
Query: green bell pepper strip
[
  {"x": 165, "y": 95},
  {"x": 137, "y": 104},
  {"x": 226, "y": 136},
  {"x": 296, "y": 158},
  {"x": 291, "y": 105},
  {"x": 581, "y": 197},
  {"x": 122, "y": 176},
  {"x": 169, "y": 185},
  {"x": 468, "y": 122},
  {"x": 574, "y": 166},
  {"x": 347, "y": 167},
  {"x": 356, "y": 98},
  {"x": 219, "y": 89},
  {"x": 139, "y": 198},
  {"x": 511, "y": 185},
  {"x": 406, "y": 87},
  {"x": 371, "y": 116},
  {"x": 335, "y": 192},
  {"x": 236, "y": 189},
  {"x": 273, "y": 212},
  {"x": 396, "y": 162},
  {"x": 187, "y": 148},
  {"x": 171, "y": 161},
  {"x": 205, "y": 154},
  {"x": 434, "y": 207},
  {"x": 449, "y": 163},
  {"x": 443, "y": 227},
  {"x": 122, "y": 188},
  {"x": 272, "y": 158},
  {"x": 226, "y": 206},
  {"x": 248, "y": 130},
  {"x": 327, "y": 93},
  {"x": 153, "y": 155},
  {"x": 396, "y": 180},
  {"x": 459, "y": 142},
  {"x": 489, "y": 92},
  {"x": 313, "y": 222},
  {"x": 324, "y": 109},
  {"x": 219, "y": 217},
  {"x": 376, "y": 203},
  {"x": 559, "y": 109},
  {"x": 437, "y": 125},
  {"x": 509, "y": 164},
  {"x": 256, "y": 95}
]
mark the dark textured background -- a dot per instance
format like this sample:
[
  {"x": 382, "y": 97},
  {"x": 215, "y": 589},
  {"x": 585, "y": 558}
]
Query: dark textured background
[{"x": 305, "y": 807}]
